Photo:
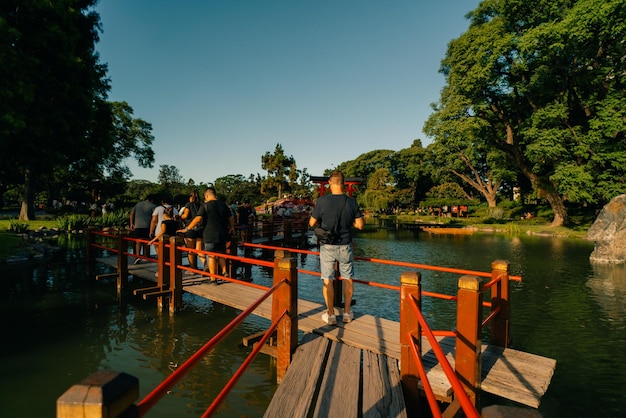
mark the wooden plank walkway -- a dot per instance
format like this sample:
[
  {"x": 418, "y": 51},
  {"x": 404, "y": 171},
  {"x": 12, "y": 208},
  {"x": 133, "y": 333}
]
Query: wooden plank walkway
[
  {"x": 322, "y": 376},
  {"x": 508, "y": 373}
]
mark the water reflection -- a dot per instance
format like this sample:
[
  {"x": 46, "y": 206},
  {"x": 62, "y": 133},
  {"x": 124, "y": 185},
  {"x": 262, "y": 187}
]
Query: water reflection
[
  {"x": 608, "y": 287},
  {"x": 60, "y": 327}
]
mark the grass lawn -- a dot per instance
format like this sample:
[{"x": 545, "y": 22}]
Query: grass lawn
[{"x": 11, "y": 243}]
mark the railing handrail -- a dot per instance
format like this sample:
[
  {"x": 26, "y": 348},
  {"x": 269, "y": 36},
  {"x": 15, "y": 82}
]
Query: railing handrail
[
  {"x": 161, "y": 390},
  {"x": 233, "y": 380},
  {"x": 496, "y": 278},
  {"x": 457, "y": 387}
]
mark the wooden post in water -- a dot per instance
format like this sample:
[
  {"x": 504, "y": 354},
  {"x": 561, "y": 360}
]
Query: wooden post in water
[
  {"x": 270, "y": 234},
  {"x": 468, "y": 343},
  {"x": 104, "y": 394},
  {"x": 176, "y": 274},
  {"x": 287, "y": 232},
  {"x": 410, "y": 287},
  {"x": 304, "y": 227},
  {"x": 500, "y": 301},
  {"x": 122, "y": 261},
  {"x": 285, "y": 297}
]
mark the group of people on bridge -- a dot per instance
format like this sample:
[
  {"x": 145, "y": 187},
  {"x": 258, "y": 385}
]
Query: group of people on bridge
[{"x": 210, "y": 224}]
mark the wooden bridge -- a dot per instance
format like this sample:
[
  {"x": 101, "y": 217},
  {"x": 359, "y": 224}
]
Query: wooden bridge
[{"x": 355, "y": 366}]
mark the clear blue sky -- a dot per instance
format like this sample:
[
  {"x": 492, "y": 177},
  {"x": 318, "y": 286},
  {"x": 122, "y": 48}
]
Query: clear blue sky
[{"x": 222, "y": 82}]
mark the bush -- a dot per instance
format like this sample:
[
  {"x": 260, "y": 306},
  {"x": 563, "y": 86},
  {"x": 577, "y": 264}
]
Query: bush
[
  {"x": 18, "y": 227},
  {"x": 117, "y": 220},
  {"x": 74, "y": 222}
]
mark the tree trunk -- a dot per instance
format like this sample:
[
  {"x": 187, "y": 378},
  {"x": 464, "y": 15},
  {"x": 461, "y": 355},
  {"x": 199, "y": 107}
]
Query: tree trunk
[
  {"x": 27, "y": 211},
  {"x": 546, "y": 189}
]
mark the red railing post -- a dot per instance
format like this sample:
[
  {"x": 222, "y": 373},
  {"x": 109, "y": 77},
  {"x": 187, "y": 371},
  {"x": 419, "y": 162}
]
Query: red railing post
[
  {"x": 162, "y": 270},
  {"x": 91, "y": 254},
  {"x": 285, "y": 297},
  {"x": 410, "y": 287},
  {"x": 468, "y": 343},
  {"x": 176, "y": 274},
  {"x": 500, "y": 301},
  {"x": 122, "y": 261}
]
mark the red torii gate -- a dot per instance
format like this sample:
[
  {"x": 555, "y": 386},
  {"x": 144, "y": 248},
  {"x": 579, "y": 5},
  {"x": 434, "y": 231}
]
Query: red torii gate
[{"x": 349, "y": 183}]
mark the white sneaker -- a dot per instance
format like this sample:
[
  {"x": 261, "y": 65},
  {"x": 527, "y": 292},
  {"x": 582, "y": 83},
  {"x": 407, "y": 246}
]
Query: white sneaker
[
  {"x": 348, "y": 316},
  {"x": 330, "y": 320}
]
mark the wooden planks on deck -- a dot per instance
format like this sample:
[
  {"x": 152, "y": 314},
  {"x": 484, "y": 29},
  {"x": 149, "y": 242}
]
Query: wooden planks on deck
[
  {"x": 508, "y": 373},
  {"x": 329, "y": 379}
]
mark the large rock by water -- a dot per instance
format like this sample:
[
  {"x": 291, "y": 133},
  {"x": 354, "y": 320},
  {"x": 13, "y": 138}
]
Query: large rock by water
[{"x": 609, "y": 233}]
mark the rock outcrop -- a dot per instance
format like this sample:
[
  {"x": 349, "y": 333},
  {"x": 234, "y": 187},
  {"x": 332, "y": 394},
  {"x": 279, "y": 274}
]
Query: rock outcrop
[{"x": 609, "y": 233}]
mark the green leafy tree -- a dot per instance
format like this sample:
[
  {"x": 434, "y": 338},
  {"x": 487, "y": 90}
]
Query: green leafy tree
[
  {"x": 412, "y": 170},
  {"x": 237, "y": 188},
  {"x": 170, "y": 178},
  {"x": 281, "y": 172},
  {"x": 54, "y": 117},
  {"x": 380, "y": 190},
  {"x": 458, "y": 153},
  {"x": 366, "y": 164},
  {"x": 543, "y": 82}
]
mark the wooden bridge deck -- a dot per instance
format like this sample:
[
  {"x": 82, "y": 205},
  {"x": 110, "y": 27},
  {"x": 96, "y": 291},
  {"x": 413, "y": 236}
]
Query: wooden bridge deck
[
  {"x": 508, "y": 373},
  {"x": 330, "y": 379}
]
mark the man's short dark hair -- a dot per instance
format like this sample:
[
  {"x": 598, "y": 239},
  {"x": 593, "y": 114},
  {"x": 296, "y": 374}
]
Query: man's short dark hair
[{"x": 336, "y": 175}]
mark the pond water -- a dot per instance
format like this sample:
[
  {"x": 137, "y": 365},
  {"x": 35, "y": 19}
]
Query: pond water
[{"x": 60, "y": 328}]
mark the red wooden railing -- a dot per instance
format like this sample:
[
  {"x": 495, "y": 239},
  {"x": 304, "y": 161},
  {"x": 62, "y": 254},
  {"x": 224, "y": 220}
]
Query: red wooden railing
[{"x": 465, "y": 380}]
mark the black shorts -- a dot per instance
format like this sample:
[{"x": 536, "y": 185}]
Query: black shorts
[
  {"x": 193, "y": 234},
  {"x": 143, "y": 233}
]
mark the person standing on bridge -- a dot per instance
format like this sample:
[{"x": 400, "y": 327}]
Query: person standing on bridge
[
  {"x": 140, "y": 217},
  {"x": 219, "y": 225},
  {"x": 340, "y": 213}
]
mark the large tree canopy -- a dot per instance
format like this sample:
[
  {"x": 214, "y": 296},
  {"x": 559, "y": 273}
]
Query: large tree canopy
[
  {"x": 54, "y": 116},
  {"x": 543, "y": 82}
]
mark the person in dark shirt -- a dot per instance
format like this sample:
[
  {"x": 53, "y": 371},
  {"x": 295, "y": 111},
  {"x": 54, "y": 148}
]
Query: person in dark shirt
[
  {"x": 340, "y": 213},
  {"x": 219, "y": 225}
]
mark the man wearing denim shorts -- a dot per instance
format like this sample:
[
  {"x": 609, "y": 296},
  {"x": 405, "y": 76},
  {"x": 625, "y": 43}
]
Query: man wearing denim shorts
[{"x": 337, "y": 209}]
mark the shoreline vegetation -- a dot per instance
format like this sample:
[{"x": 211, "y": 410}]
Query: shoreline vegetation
[{"x": 15, "y": 246}]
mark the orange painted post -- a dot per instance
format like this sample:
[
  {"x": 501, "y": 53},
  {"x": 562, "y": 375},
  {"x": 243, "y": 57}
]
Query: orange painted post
[
  {"x": 285, "y": 297},
  {"x": 122, "y": 261},
  {"x": 162, "y": 270},
  {"x": 176, "y": 274},
  {"x": 103, "y": 394},
  {"x": 410, "y": 287},
  {"x": 468, "y": 344},
  {"x": 500, "y": 300},
  {"x": 91, "y": 254}
]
